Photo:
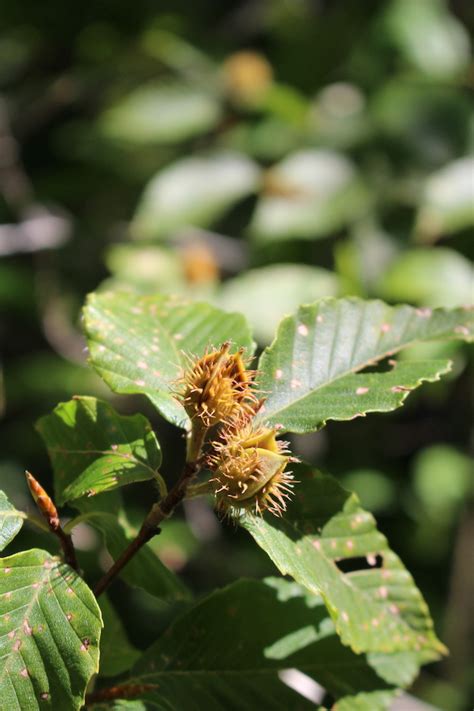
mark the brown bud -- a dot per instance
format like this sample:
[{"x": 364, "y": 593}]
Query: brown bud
[
  {"x": 43, "y": 501},
  {"x": 247, "y": 77},
  {"x": 199, "y": 264}
]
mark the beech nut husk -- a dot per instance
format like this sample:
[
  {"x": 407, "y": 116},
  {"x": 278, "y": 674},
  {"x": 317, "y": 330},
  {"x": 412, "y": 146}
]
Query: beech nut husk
[{"x": 249, "y": 467}]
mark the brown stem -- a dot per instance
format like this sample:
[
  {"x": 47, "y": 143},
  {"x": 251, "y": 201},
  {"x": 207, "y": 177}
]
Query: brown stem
[
  {"x": 124, "y": 691},
  {"x": 67, "y": 545},
  {"x": 150, "y": 526}
]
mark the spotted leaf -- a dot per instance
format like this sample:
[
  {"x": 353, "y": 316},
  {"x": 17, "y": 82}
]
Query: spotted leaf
[
  {"x": 50, "y": 629},
  {"x": 312, "y": 371},
  {"x": 139, "y": 344},
  {"x": 331, "y": 546}
]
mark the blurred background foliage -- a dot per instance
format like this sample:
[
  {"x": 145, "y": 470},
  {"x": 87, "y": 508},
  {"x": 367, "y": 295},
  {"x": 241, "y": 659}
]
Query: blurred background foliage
[{"x": 258, "y": 154}]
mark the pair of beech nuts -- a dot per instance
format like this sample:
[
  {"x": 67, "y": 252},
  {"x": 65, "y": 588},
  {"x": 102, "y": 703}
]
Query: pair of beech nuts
[{"x": 247, "y": 461}]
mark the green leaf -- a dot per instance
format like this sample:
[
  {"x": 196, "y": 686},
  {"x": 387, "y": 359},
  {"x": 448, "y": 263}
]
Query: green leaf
[
  {"x": 311, "y": 193},
  {"x": 193, "y": 191},
  {"x": 146, "y": 268},
  {"x": 438, "y": 494},
  {"x": 263, "y": 629},
  {"x": 11, "y": 521},
  {"x": 374, "y": 609},
  {"x": 430, "y": 277},
  {"x": 446, "y": 205},
  {"x": 338, "y": 116},
  {"x": 145, "y": 570},
  {"x": 49, "y": 633},
  {"x": 267, "y": 294},
  {"x": 372, "y": 701},
  {"x": 445, "y": 50},
  {"x": 93, "y": 449},
  {"x": 105, "y": 512},
  {"x": 138, "y": 344},
  {"x": 415, "y": 115},
  {"x": 157, "y": 114},
  {"x": 361, "y": 258},
  {"x": 117, "y": 655},
  {"x": 310, "y": 371}
]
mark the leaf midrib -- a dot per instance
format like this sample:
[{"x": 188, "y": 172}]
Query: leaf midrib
[{"x": 324, "y": 664}]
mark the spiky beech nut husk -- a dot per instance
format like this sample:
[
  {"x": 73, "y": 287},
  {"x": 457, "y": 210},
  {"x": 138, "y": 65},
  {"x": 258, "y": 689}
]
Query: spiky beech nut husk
[
  {"x": 218, "y": 387},
  {"x": 249, "y": 468}
]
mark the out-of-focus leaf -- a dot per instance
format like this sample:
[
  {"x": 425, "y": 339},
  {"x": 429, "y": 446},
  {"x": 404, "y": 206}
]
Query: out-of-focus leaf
[
  {"x": 138, "y": 344},
  {"x": 428, "y": 122},
  {"x": 285, "y": 102},
  {"x": 175, "y": 51},
  {"x": 158, "y": 113},
  {"x": 267, "y": 294},
  {"x": 145, "y": 267},
  {"x": 371, "y": 701},
  {"x": 374, "y": 609},
  {"x": 447, "y": 203},
  {"x": 275, "y": 626},
  {"x": 375, "y": 490},
  {"x": 429, "y": 36},
  {"x": 193, "y": 191},
  {"x": 269, "y": 139},
  {"x": 361, "y": 259},
  {"x": 93, "y": 449},
  {"x": 338, "y": 116},
  {"x": 429, "y": 277},
  {"x": 190, "y": 270},
  {"x": 45, "y": 376},
  {"x": 442, "y": 478},
  {"x": 117, "y": 655},
  {"x": 310, "y": 372},
  {"x": 11, "y": 521},
  {"x": 311, "y": 193},
  {"x": 49, "y": 631}
]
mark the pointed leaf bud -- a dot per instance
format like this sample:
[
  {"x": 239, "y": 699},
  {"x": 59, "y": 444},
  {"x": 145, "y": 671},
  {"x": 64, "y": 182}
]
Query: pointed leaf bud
[{"x": 43, "y": 501}]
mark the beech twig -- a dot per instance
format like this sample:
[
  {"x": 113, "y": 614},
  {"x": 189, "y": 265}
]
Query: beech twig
[{"x": 161, "y": 510}]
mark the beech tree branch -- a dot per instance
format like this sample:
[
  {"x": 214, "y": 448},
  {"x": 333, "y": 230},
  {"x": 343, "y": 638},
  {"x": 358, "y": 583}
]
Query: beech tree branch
[{"x": 159, "y": 511}]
